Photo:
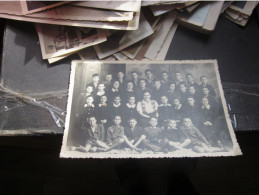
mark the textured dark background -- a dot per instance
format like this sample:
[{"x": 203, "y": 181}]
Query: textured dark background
[{"x": 31, "y": 165}]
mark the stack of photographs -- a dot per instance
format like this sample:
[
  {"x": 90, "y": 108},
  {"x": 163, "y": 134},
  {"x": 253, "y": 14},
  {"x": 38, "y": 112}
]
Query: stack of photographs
[{"x": 118, "y": 30}]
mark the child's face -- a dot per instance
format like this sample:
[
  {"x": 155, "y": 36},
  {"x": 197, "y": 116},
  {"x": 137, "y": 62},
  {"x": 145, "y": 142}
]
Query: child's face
[
  {"x": 89, "y": 100},
  {"x": 164, "y": 99},
  {"x": 187, "y": 122},
  {"x": 96, "y": 79},
  {"x": 132, "y": 100},
  {"x": 117, "y": 100},
  {"x": 204, "y": 80},
  {"x": 176, "y": 102},
  {"x": 179, "y": 76},
  {"x": 149, "y": 74},
  {"x": 101, "y": 87},
  {"x": 165, "y": 76},
  {"x": 92, "y": 121},
  {"x": 116, "y": 85},
  {"x": 117, "y": 120},
  {"x": 182, "y": 88},
  {"x": 89, "y": 89},
  {"x": 129, "y": 86},
  {"x": 157, "y": 84},
  {"x": 132, "y": 123},
  {"x": 205, "y": 102},
  {"x": 153, "y": 122},
  {"x": 142, "y": 83},
  {"x": 172, "y": 124},
  {"x": 103, "y": 99},
  {"x": 134, "y": 76},
  {"x": 172, "y": 87},
  {"x": 191, "y": 90},
  {"x": 189, "y": 78},
  {"x": 190, "y": 101},
  {"x": 108, "y": 77},
  {"x": 120, "y": 75}
]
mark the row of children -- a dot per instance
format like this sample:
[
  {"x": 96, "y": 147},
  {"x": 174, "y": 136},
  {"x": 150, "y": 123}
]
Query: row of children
[
  {"x": 126, "y": 88},
  {"x": 151, "y": 138}
]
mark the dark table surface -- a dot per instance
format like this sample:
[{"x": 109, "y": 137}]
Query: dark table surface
[{"x": 31, "y": 164}]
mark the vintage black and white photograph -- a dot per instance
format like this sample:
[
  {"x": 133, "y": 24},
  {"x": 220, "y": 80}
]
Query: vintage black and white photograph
[
  {"x": 56, "y": 41},
  {"x": 147, "y": 110}
]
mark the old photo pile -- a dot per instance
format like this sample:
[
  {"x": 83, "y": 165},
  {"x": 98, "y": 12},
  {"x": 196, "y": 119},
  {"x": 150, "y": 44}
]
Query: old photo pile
[
  {"x": 147, "y": 110},
  {"x": 125, "y": 30}
]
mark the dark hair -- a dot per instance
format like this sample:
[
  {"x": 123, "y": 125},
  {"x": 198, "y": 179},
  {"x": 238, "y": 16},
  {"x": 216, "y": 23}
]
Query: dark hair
[
  {"x": 189, "y": 74},
  {"x": 95, "y": 75},
  {"x": 132, "y": 119},
  {"x": 202, "y": 77},
  {"x": 148, "y": 70},
  {"x": 89, "y": 96},
  {"x": 142, "y": 80},
  {"x": 115, "y": 81},
  {"x": 171, "y": 83}
]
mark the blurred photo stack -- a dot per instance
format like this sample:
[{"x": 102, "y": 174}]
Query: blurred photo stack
[{"x": 119, "y": 30}]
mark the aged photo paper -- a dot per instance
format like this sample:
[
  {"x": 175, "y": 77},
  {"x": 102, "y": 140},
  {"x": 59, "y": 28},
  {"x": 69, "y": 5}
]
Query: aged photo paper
[
  {"x": 133, "y": 5},
  {"x": 12, "y": 10},
  {"x": 121, "y": 40},
  {"x": 147, "y": 109},
  {"x": 56, "y": 41},
  {"x": 168, "y": 40},
  {"x": 244, "y": 7},
  {"x": 158, "y": 41},
  {"x": 70, "y": 12},
  {"x": 29, "y": 7}
]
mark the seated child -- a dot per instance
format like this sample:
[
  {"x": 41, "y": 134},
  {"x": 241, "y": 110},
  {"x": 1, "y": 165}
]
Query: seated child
[
  {"x": 133, "y": 134},
  {"x": 152, "y": 135},
  {"x": 198, "y": 141},
  {"x": 173, "y": 138},
  {"x": 115, "y": 134},
  {"x": 93, "y": 135}
]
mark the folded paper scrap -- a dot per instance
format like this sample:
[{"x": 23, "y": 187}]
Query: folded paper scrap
[{"x": 147, "y": 110}]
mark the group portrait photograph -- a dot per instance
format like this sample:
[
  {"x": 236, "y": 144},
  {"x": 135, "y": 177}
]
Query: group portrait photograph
[{"x": 147, "y": 109}]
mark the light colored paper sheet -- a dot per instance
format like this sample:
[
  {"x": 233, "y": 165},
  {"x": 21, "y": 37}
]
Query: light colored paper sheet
[
  {"x": 168, "y": 40},
  {"x": 121, "y": 40},
  {"x": 213, "y": 16},
  {"x": 12, "y": 10},
  {"x": 196, "y": 18},
  {"x": 193, "y": 141},
  {"x": 69, "y": 12},
  {"x": 120, "y": 56},
  {"x": 56, "y": 41},
  {"x": 157, "y": 43},
  {"x": 29, "y": 7},
  {"x": 133, "y": 5},
  {"x": 247, "y": 9}
]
